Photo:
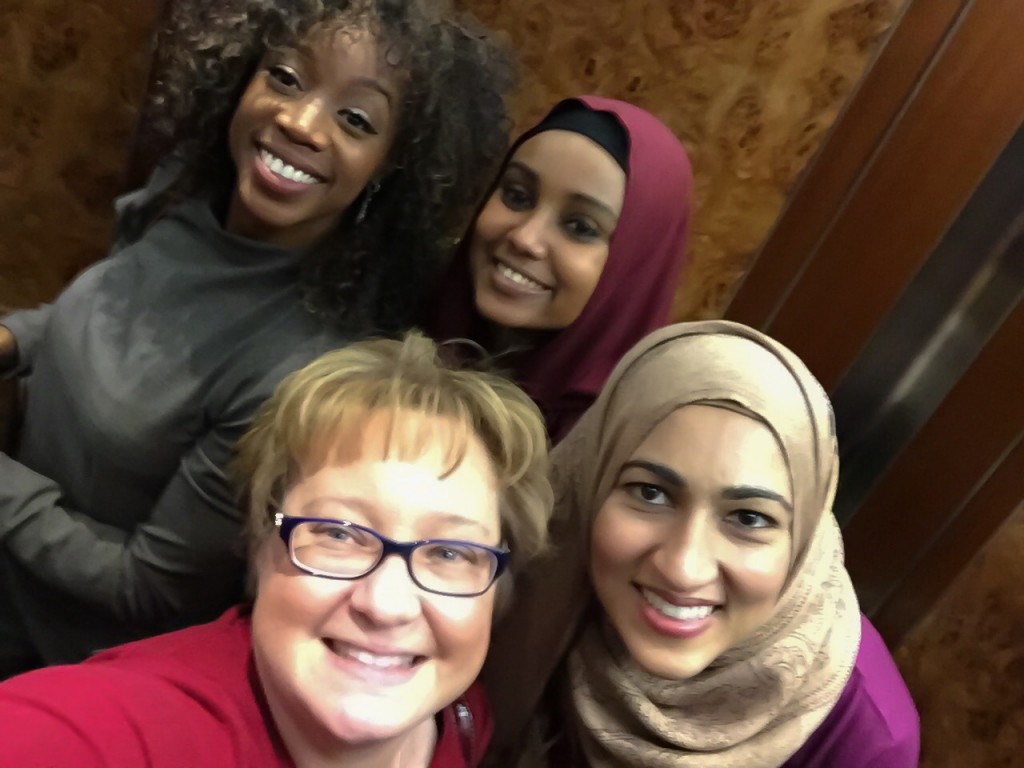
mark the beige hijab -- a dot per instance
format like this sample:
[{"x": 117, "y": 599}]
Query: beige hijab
[{"x": 758, "y": 703}]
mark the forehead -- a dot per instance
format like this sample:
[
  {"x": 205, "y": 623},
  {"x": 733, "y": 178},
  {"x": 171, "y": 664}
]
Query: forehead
[
  {"x": 714, "y": 447},
  {"x": 405, "y": 461},
  {"x": 399, "y": 435},
  {"x": 571, "y": 162},
  {"x": 345, "y": 50}
]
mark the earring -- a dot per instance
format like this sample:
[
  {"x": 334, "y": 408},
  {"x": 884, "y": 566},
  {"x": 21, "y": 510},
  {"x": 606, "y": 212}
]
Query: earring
[{"x": 368, "y": 193}]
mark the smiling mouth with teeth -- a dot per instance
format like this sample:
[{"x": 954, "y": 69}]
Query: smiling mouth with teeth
[
  {"x": 677, "y": 612},
  {"x": 279, "y": 167},
  {"x": 519, "y": 278},
  {"x": 377, "y": 661}
]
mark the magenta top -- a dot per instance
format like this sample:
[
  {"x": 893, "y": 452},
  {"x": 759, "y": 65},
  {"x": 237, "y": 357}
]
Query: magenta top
[{"x": 874, "y": 724}]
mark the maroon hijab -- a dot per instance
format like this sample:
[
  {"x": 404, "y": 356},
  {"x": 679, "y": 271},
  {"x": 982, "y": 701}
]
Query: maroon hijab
[{"x": 634, "y": 294}]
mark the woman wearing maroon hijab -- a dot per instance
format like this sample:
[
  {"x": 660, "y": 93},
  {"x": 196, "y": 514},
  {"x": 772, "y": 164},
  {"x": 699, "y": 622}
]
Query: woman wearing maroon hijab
[{"x": 575, "y": 256}]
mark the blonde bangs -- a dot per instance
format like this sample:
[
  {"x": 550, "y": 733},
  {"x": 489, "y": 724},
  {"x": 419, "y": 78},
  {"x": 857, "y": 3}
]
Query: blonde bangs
[{"x": 318, "y": 415}]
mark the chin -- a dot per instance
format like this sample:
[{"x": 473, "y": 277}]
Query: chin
[
  {"x": 362, "y": 725},
  {"x": 495, "y": 312},
  {"x": 673, "y": 669},
  {"x": 666, "y": 664}
]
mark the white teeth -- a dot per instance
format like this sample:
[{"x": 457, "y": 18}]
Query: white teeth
[
  {"x": 519, "y": 278},
  {"x": 371, "y": 659},
  {"x": 285, "y": 171},
  {"x": 679, "y": 612}
]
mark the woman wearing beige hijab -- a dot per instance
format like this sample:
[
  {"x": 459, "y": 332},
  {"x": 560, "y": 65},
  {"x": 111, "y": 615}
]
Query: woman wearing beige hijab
[{"x": 696, "y": 611}]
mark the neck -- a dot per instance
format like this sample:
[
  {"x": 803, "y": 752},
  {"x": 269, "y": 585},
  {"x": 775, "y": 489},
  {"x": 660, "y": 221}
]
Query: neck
[
  {"x": 512, "y": 347},
  {"x": 239, "y": 221}
]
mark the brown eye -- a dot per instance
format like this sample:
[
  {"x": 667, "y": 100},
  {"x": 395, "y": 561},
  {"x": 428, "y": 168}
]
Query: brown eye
[
  {"x": 581, "y": 229},
  {"x": 747, "y": 518},
  {"x": 649, "y": 493},
  {"x": 516, "y": 197},
  {"x": 356, "y": 118},
  {"x": 283, "y": 76}
]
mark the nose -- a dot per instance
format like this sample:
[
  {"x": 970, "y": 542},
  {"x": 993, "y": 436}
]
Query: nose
[
  {"x": 687, "y": 559},
  {"x": 301, "y": 122},
  {"x": 388, "y": 596},
  {"x": 529, "y": 236}
]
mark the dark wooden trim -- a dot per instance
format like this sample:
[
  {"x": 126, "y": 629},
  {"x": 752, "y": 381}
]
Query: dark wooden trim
[
  {"x": 961, "y": 117},
  {"x": 922, "y": 522},
  {"x": 973, "y": 526},
  {"x": 831, "y": 177}
]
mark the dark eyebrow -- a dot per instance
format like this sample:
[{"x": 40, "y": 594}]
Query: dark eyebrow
[
  {"x": 373, "y": 85},
  {"x": 660, "y": 471},
  {"x": 582, "y": 197},
  {"x": 518, "y": 165},
  {"x": 742, "y": 492},
  {"x": 733, "y": 493},
  {"x": 306, "y": 51}
]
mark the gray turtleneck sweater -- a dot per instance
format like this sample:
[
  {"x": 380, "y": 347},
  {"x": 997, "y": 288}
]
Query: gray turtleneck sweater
[{"x": 117, "y": 519}]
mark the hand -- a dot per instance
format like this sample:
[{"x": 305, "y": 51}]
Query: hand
[{"x": 8, "y": 349}]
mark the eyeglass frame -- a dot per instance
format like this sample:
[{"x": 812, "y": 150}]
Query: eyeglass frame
[{"x": 286, "y": 524}]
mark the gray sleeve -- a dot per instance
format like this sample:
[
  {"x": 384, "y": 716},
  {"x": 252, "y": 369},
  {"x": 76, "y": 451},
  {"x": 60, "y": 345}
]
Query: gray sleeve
[
  {"x": 28, "y": 327},
  {"x": 183, "y": 565}
]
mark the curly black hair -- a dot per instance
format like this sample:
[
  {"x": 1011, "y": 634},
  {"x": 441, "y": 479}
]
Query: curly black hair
[{"x": 452, "y": 134}]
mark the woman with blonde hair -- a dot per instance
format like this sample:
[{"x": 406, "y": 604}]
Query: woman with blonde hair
[{"x": 390, "y": 497}]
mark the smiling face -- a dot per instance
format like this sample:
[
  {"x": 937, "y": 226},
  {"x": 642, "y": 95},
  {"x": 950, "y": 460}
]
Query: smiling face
[
  {"x": 541, "y": 242},
  {"x": 691, "y": 549},
  {"x": 314, "y": 126},
  {"x": 371, "y": 661}
]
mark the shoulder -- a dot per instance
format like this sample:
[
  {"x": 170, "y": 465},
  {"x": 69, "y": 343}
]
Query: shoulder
[
  {"x": 288, "y": 342},
  {"x": 178, "y": 699},
  {"x": 874, "y": 724},
  {"x": 218, "y": 650},
  {"x": 466, "y": 728}
]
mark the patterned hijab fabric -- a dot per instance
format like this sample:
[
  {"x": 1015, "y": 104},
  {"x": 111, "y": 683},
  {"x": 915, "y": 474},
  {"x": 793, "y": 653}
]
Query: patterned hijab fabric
[
  {"x": 635, "y": 292},
  {"x": 759, "y": 702}
]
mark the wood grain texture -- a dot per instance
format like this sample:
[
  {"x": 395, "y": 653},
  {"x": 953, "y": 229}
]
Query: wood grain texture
[
  {"x": 961, "y": 117},
  {"x": 832, "y": 178},
  {"x": 74, "y": 72},
  {"x": 750, "y": 86},
  {"x": 964, "y": 664}
]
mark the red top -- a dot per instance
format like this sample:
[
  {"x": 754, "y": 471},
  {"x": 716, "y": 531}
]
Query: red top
[{"x": 188, "y": 698}]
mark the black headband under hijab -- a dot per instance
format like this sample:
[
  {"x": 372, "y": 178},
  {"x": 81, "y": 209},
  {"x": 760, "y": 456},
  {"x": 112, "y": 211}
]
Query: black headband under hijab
[{"x": 603, "y": 128}]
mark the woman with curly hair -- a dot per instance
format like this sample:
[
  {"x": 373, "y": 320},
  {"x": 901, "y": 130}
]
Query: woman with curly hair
[{"x": 316, "y": 156}]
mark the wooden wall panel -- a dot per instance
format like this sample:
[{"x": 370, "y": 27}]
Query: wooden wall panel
[
  {"x": 984, "y": 511},
  {"x": 73, "y": 75},
  {"x": 959, "y": 119},
  {"x": 847, "y": 153},
  {"x": 964, "y": 664},
  {"x": 751, "y": 87},
  {"x": 920, "y": 515}
]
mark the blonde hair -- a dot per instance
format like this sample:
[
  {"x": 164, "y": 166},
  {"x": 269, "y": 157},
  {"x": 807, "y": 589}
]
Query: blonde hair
[{"x": 315, "y": 413}]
